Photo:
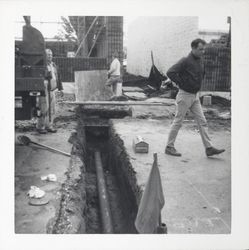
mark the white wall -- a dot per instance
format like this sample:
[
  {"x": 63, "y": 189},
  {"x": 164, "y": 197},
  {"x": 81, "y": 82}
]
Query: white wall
[{"x": 168, "y": 37}]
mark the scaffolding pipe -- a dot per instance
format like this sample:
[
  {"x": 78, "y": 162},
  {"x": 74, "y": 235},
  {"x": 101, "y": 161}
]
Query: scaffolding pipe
[
  {"x": 103, "y": 196},
  {"x": 84, "y": 38},
  {"x": 97, "y": 36}
]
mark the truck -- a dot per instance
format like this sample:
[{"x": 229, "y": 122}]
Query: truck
[{"x": 30, "y": 65}]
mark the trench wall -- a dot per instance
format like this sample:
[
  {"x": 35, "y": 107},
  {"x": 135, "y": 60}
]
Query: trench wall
[
  {"x": 69, "y": 217},
  {"x": 118, "y": 162},
  {"x": 124, "y": 171}
]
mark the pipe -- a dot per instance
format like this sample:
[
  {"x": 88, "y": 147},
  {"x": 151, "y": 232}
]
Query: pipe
[{"x": 103, "y": 196}]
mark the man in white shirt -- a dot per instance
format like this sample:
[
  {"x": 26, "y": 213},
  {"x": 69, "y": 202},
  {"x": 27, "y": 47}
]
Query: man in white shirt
[
  {"x": 46, "y": 104},
  {"x": 114, "y": 74}
]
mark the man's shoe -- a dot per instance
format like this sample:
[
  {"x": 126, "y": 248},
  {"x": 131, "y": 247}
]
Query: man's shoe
[
  {"x": 172, "y": 151},
  {"x": 42, "y": 131},
  {"x": 214, "y": 151},
  {"x": 51, "y": 130}
]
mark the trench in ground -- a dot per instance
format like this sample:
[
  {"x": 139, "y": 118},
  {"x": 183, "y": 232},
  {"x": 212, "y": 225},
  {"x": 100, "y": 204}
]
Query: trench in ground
[{"x": 96, "y": 137}]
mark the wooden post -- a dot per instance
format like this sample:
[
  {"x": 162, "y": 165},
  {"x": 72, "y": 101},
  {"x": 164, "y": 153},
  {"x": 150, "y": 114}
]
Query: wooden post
[
  {"x": 152, "y": 58},
  {"x": 162, "y": 228}
]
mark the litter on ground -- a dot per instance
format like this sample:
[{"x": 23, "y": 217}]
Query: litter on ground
[
  {"x": 50, "y": 177},
  {"x": 35, "y": 192}
]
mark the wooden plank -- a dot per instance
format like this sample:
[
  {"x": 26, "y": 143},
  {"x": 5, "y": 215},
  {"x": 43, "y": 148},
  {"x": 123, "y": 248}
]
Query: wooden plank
[
  {"x": 132, "y": 89},
  {"x": 90, "y": 86},
  {"x": 119, "y": 103}
]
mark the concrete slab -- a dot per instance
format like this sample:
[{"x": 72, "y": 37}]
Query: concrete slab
[
  {"x": 69, "y": 87},
  {"x": 197, "y": 189},
  {"x": 90, "y": 86},
  {"x": 32, "y": 162}
]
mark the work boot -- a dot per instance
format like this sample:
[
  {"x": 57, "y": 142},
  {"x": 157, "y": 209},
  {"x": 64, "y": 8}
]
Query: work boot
[
  {"x": 214, "y": 151},
  {"x": 42, "y": 131},
  {"x": 172, "y": 151}
]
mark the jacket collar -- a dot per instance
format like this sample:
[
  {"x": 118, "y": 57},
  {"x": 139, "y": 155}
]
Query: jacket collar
[{"x": 193, "y": 56}]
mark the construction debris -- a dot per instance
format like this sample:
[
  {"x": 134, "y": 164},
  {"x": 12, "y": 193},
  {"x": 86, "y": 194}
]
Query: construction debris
[
  {"x": 50, "y": 177},
  {"x": 38, "y": 202},
  {"x": 35, "y": 192}
]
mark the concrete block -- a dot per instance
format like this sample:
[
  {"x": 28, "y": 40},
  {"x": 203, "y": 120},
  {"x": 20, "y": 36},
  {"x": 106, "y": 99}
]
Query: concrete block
[
  {"x": 90, "y": 86},
  {"x": 207, "y": 100}
]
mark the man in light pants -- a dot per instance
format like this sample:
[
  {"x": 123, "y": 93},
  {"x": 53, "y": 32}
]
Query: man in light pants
[
  {"x": 188, "y": 74},
  {"x": 114, "y": 76},
  {"x": 47, "y": 105}
]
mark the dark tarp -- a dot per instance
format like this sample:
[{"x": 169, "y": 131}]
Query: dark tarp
[{"x": 155, "y": 78}]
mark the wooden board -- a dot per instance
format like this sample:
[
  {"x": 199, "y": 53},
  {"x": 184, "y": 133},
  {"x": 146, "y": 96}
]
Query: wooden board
[
  {"x": 118, "y": 103},
  {"x": 90, "y": 86}
]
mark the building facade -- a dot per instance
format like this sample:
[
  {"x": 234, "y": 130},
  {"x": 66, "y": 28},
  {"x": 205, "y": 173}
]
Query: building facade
[{"x": 168, "y": 38}]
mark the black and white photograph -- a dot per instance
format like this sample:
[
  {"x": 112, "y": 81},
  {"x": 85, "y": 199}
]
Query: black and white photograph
[{"x": 123, "y": 126}]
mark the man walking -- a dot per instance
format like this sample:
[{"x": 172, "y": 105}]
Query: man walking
[
  {"x": 46, "y": 104},
  {"x": 188, "y": 74}
]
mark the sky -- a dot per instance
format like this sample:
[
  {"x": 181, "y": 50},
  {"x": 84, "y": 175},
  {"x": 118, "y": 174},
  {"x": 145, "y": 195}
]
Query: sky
[{"x": 49, "y": 30}]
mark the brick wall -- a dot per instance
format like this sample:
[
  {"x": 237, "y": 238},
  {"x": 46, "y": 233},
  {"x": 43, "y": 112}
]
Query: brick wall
[
  {"x": 67, "y": 66},
  {"x": 168, "y": 37},
  {"x": 217, "y": 62}
]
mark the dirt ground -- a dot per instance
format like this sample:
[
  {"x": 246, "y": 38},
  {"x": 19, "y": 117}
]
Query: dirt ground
[
  {"x": 180, "y": 183},
  {"x": 32, "y": 162}
]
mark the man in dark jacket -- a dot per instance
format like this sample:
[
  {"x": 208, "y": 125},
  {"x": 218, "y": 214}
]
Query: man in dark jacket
[
  {"x": 188, "y": 74},
  {"x": 45, "y": 122}
]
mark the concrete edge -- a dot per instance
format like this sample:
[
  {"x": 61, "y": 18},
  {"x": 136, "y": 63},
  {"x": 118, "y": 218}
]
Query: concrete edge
[{"x": 69, "y": 216}]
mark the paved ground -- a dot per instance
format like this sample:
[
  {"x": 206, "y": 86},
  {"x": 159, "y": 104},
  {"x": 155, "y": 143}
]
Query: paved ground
[
  {"x": 32, "y": 162},
  {"x": 197, "y": 189}
]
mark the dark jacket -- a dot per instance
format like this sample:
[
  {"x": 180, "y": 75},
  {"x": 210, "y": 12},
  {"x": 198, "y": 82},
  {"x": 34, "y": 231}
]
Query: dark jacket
[
  {"x": 57, "y": 75},
  {"x": 187, "y": 73}
]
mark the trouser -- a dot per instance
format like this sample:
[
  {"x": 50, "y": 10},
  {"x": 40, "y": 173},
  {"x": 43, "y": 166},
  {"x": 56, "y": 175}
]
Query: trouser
[
  {"x": 43, "y": 104},
  {"x": 113, "y": 81},
  {"x": 187, "y": 101}
]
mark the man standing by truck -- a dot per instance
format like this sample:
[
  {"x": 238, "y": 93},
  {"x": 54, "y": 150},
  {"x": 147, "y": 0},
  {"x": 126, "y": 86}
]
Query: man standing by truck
[{"x": 46, "y": 104}]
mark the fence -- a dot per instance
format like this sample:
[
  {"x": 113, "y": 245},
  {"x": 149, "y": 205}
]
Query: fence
[
  {"x": 67, "y": 66},
  {"x": 217, "y": 69}
]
